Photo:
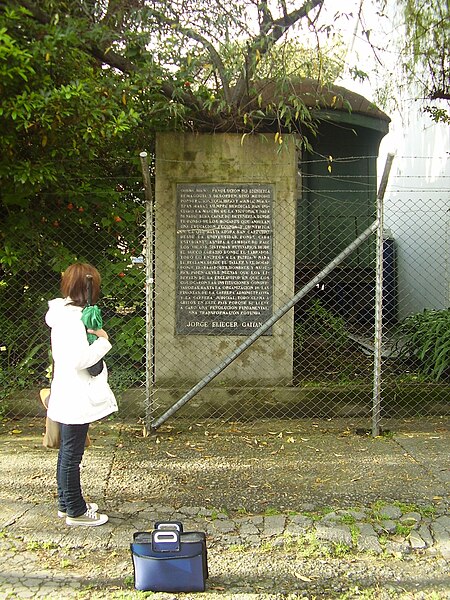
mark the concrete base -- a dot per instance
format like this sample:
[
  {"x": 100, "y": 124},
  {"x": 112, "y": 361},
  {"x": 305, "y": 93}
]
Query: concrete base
[{"x": 255, "y": 403}]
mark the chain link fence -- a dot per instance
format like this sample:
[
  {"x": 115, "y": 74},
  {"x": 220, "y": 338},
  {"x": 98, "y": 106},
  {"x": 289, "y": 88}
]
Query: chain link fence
[{"x": 325, "y": 315}]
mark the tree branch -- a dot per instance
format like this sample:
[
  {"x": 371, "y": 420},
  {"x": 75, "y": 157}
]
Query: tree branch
[
  {"x": 107, "y": 56},
  {"x": 194, "y": 35},
  {"x": 39, "y": 15},
  {"x": 124, "y": 65},
  {"x": 269, "y": 34}
]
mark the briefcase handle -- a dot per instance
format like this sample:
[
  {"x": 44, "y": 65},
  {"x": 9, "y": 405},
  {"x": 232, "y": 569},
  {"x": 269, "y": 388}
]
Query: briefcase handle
[
  {"x": 165, "y": 541},
  {"x": 171, "y": 525}
]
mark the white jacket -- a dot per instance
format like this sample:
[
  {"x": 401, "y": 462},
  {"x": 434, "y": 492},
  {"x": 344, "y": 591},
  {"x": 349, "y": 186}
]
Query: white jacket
[{"x": 75, "y": 396}]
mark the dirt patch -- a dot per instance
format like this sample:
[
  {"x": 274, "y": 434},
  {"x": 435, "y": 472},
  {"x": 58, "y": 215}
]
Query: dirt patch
[
  {"x": 284, "y": 465},
  {"x": 245, "y": 467}
]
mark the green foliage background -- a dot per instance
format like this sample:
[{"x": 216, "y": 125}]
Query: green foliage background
[
  {"x": 70, "y": 189},
  {"x": 82, "y": 93}
]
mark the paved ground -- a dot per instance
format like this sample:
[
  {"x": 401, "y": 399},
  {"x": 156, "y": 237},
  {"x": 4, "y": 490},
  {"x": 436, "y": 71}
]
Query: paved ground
[{"x": 291, "y": 509}]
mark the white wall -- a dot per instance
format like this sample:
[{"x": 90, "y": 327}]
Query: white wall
[
  {"x": 417, "y": 209},
  {"x": 417, "y": 199}
]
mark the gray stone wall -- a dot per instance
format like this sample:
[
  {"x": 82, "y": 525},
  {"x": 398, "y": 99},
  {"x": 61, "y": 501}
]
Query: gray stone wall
[{"x": 223, "y": 159}]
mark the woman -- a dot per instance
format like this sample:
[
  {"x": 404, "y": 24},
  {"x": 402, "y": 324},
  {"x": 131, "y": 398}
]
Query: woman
[{"x": 76, "y": 398}]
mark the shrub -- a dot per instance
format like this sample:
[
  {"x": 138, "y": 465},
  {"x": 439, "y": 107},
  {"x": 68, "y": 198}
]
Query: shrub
[
  {"x": 320, "y": 322},
  {"x": 426, "y": 337}
]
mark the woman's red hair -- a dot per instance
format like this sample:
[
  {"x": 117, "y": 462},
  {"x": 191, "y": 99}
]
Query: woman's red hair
[{"x": 74, "y": 283}]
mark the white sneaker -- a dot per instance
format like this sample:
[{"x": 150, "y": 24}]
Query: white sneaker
[
  {"x": 89, "y": 506},
  {"x": 91, "y": 518}
]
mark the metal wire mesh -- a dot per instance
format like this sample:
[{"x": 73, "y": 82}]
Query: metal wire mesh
[{"x": 325, "y": 367}]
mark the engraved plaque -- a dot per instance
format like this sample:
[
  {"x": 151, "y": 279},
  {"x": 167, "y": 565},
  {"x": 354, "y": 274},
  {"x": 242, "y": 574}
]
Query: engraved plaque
[{"x": 224, "y": 258}]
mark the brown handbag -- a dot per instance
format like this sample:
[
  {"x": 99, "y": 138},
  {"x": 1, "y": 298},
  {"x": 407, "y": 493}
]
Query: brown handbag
[{"x": 52, "y": 435}]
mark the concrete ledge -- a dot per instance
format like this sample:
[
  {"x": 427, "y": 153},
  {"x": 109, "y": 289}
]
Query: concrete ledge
[{"x": 252, "y": 403}]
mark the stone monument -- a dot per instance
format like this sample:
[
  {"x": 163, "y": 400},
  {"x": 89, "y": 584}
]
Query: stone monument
[{"x": 224, "y": 255}]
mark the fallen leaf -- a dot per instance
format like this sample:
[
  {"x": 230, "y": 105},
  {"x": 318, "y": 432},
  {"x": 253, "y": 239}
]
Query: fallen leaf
[
  {"x": 302, "y": 577},
  {"x": 312, "y": 448}
]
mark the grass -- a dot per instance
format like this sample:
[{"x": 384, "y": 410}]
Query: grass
[
  {"x": 426, "y": 512},
  {"x": 348, "y": 519},
  {"x": 317, "y": 515},
  {"x": 35, "y": 546},
  {"x": 238, "y": 548},
  {"x": 215, "y": 512},
  {"x": 65, "y": 563},
  {"x": 341, "y": 550},
  {"x": 128, "y": 581},
  {"x": 242, "y": 511},
  {"x": 402, "y": 530},
  {"x": 271, "y": 512},
  {"x": 355, "y": 533},
  {"x": 361, "y": 594},
  {"x": 309, "y": 546},
  {"x": 306, "y": 547}
]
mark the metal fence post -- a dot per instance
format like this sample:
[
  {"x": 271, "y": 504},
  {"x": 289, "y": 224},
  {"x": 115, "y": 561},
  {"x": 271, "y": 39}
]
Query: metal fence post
[
  {"x": 376, "y": 405},
  {"x": 149, "y": 294}
]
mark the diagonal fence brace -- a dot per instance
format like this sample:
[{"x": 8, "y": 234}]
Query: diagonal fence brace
[{"x": 267, "y": 325}]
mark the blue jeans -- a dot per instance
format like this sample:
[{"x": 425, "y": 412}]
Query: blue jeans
[{"x": 71, "y": 450}]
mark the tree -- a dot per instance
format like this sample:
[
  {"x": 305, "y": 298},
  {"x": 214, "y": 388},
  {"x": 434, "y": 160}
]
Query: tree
[
  {"x": 63, "y": 128},
  {"x": 84, "y": 84},
  {"x": 425, "y": 50},
  {"x": 68, "y": 130},
  {"x": 180, "y": 49}
]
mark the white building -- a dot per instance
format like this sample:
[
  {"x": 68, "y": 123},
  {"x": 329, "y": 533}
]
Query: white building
[{"x": 417, "y": 199}]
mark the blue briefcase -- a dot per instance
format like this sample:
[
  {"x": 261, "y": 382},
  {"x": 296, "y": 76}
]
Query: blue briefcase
[
  {"x": 187, "y": 536},
  {"x": 169, "y": 561}
]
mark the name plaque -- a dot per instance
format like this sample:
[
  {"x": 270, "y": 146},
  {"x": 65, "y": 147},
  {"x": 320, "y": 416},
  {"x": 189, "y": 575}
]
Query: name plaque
[{"x": 224, "y": 258}]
